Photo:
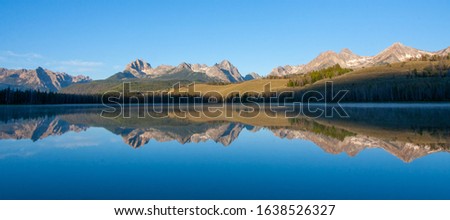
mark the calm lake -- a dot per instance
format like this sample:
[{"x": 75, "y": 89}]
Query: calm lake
[{"x": 381, "y": 151}]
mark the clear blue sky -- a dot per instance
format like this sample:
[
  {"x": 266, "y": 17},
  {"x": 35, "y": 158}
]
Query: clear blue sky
[{"x": 99, "y": 38}]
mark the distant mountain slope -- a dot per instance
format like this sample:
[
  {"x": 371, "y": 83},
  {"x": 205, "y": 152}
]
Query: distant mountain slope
[
  {"x": 397, "y": 52},
  {"x": 219, "y": 72},
  {"x": 252, "y": 76},
  {"x": 38, "y": 79},
  {"x": 444, "y": 52}
]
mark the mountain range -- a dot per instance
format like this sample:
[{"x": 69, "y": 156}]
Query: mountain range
[
  {"x": 219, "y": 72},
  {"x": 223, "y": 72},
  {"x": 38, "y": 79},
  {"x": 395, "y": 53}
]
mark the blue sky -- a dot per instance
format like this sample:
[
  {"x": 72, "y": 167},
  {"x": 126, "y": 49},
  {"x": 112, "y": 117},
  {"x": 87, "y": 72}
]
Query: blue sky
[{"x": 99, "y": 38}]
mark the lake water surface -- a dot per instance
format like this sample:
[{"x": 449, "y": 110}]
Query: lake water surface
[{"x": 378, "y": 152}]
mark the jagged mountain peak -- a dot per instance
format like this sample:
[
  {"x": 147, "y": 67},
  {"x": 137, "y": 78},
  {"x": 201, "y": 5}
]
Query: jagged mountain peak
[
  {"x": 346, "y": 51},
  {"x": 398, "y": 52},
  {"x": 348, "y": 56},
  {"x": 226, "y": 72},
  {"x": 397, "y": 44},
  {"x": 401, "y": 47},
  {"x": 325, "y": 59},
  {"x": 327, "y": 53},
  {"x": 138, "y": 68},
  {"x": 225, "y": 63},
  {"x": 184, "y": 65},
  {"x": 139, "y": 65}
]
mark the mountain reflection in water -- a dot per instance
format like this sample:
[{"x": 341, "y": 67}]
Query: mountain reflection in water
[{"x": 405, "y": 132}]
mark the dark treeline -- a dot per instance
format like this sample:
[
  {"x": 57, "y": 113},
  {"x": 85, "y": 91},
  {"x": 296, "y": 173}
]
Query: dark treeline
[
  {"x": 401, "y": 89},
  {"x": 31, "y": 97}
]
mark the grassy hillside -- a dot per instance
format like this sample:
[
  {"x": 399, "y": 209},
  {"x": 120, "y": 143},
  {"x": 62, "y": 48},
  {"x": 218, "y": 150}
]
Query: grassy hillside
[
  {"x": 408, "y": 81},
  {"x": 102, "y": 86},
  {"x": 247, "y": 86}
]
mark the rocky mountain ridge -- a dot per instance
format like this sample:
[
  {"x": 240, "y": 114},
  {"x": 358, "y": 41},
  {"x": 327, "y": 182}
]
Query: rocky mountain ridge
[
  {"x": 397, "y": 52},
  {"x": 38, "y": 79},
  {"x": 219, "y": 72}
]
